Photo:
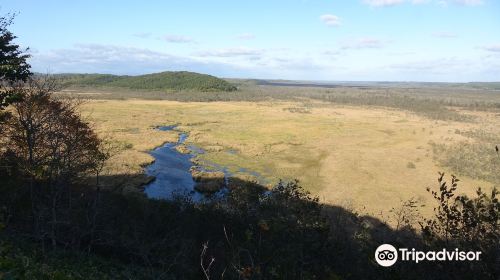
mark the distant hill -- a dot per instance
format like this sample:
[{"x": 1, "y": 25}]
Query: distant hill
[{"x": 167, "y": 81}]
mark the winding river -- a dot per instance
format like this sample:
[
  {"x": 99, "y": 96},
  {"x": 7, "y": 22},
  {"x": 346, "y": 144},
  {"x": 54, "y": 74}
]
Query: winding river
[{"x": 172, "y": 170}]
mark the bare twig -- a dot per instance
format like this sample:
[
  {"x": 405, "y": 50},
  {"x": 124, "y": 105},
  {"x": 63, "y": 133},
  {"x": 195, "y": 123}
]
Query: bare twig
[{"x": 206, "y": 270}]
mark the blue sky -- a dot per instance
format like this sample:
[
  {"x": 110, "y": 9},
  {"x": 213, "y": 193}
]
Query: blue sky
[{"x": 334, "y": 40}]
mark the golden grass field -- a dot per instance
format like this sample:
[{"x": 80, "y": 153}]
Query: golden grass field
[{"x": 365, "y": 157}]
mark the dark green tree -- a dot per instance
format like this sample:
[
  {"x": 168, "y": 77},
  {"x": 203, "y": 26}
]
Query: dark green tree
[{"x": 13, "y": 62}]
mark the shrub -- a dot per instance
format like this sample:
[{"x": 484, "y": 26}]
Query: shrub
[{"x": 411, "y": 165}]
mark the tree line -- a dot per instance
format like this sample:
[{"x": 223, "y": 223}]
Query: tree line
[{"x": 164, "y": 81}]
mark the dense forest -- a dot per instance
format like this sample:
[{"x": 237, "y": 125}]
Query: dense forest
[
  {"x": 165, "y": 81},
  {"x": 57, "y": 222}
]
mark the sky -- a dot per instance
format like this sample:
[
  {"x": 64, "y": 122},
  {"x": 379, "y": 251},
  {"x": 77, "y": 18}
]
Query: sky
[{"x": 316, "y": 40}]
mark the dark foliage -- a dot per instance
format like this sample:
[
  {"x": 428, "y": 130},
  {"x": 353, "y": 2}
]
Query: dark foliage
[
  {"x": 252, "y": 233},
  {"x": 50, "y": 148},
  {"x": 13, "y": 64},
  {"x": 463, "y": 222}
]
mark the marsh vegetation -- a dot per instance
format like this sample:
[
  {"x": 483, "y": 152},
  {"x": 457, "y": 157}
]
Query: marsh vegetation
[{"x": 335, "y": 150}]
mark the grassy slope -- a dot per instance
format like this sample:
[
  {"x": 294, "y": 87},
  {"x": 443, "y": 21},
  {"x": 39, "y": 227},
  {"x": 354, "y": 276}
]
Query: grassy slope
[{"x": 158, "y": 81}]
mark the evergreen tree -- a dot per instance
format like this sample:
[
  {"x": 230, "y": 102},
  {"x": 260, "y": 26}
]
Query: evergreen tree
[{"x": 13, "y": 65}]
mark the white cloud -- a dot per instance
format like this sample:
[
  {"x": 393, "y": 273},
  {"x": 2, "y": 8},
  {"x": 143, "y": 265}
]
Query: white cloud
[
  {"x": 177, "y": 39},
  {"x": 231, "y": 52},
  {"x": 231, "y": 62},
  {"x": 363, "y": 43},
  {"x": 330, "y": 20},
  {"x": 492, "y": 48},
  {"x": 276, "y": 63},
  {"x": 97, "y": 58},
  {"x": 245, "y": 36}
]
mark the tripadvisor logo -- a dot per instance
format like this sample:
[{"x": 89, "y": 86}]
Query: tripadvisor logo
[{"x": 387, "y": 255}]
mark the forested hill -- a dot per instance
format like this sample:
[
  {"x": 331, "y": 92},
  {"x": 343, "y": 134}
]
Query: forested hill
[{"x": 158, "y": 81}]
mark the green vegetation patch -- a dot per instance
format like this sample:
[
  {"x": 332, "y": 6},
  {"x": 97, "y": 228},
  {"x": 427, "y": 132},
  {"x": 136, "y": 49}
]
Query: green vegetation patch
[
  {"x": 475, "y": 157},
  {"x": 164, "y": 81}
]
